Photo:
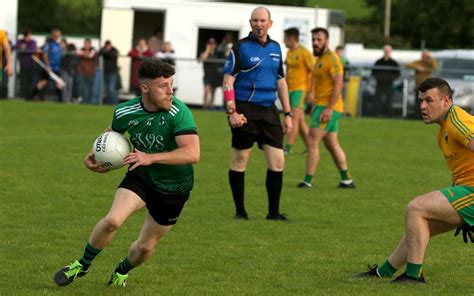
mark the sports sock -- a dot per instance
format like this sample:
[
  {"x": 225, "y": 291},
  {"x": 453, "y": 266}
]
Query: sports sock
[
  {"x": 34, "y": 92},
  {"x": 386, "y": 270},
  {"x": 59, "y": 94},
  {"x": 237, "y": 185},
  {"x": 345, "y": 175},
  {"x": 274, "y": 182},
  {"x": 413, "y": 270},
  {"x": 288, "y": 148},
  {"x": 89, "y": 254},
  {"x": 308, "y": 178},
  {"x": 124, "y": 267}
]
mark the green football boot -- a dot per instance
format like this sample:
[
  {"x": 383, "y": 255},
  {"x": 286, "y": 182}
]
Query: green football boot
[
  {"x": 69, "y": 273},
  {"x": 118, "y": 280}
]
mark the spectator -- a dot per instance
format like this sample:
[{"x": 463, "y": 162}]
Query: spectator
[
  {"x": 25, "y": 48},
  {"x": 5, "y": 59},
  {"x": 51, "y": 56},
  {"x": 166, "y": 54},
  {"x": 385, "y": 71},
  {"x": 223, "y": 49},
  {"x": 109, "y": 56},
  {"x": 212, "y": 72},
  {"x": 155, "y": 42},
  {"x": 68, "y": 69},
  {"x": 138, "y": 54},
  {"x": 87, "y": 70},
  {"x": 424, "y": 69}
]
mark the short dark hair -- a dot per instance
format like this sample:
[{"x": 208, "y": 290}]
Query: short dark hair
[
  {"x": 152, "y": 69},
  {"x": 434, "y": 82},
  {"x": 26, "y": 32},
  {"x": 319, "y": 29},
  {"x": 340, "y": 47},
  {"x": 292, "y": 32}
]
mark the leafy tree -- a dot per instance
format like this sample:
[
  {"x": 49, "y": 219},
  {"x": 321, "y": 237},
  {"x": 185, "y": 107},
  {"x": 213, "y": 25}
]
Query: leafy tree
[
  {"x": 440, "y": 24},
  {"x": 78, "y": 17}
]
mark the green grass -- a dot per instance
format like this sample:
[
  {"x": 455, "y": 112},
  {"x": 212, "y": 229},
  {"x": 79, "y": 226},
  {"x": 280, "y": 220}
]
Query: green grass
[{"x": 50, "y": 202}]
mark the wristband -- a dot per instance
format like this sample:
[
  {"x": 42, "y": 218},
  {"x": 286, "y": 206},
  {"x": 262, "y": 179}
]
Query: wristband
[
  {"x": 229, "y": 99},
  {"x": 288, "y": 114}
]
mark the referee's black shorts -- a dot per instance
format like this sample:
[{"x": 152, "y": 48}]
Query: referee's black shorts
[
  {"x": 263, "y": 126},
  {"x": 164, "y": 208}
]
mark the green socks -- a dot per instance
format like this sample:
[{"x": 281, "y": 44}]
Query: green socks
[
  {"x": 345, "y": 175},
  {"x": 308, "y": 178},
  {"x": 386, "y": 270},
  {"x": 124, "y": 267},
  {"x": 413, "y": 270},
  {"x": 89, "y": 254}
]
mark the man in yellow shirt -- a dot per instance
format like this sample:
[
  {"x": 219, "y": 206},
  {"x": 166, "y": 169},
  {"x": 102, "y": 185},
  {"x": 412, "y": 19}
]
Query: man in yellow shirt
[
  {"x": 5, "y": 48},
  {"x": 325, "y": 93},
  {"x": 299, "y": 65},
  {"x": 424, "y": 69},
  {"x": 445, "y": 209}
]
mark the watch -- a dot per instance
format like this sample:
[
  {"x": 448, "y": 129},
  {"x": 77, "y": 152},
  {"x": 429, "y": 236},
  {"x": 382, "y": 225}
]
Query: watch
[{"x": 288, "y": 114}]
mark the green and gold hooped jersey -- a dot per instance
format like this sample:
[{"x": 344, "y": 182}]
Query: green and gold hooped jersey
[{"x": 155, "y": 132}]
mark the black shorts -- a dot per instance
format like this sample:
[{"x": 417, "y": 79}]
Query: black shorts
[
  {"x": 44, "y": 75},
  {"x": 263, "y": 126},
  {"x": 164, "y": 208}
]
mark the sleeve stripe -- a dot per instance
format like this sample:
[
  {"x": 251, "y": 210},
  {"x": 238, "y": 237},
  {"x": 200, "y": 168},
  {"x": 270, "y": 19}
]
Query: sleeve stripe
[
  {"x": 186, "y": 132},
  {"x": 461, "y": 126},
  {"x": 334, "y": 62}
]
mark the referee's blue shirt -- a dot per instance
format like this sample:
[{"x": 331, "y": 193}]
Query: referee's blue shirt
[
  {"x": 54, "y": 54},
  {"x": 256, "y": 69}
]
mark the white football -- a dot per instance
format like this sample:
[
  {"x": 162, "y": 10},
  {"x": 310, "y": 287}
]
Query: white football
[{"x": 110, "y": 149}]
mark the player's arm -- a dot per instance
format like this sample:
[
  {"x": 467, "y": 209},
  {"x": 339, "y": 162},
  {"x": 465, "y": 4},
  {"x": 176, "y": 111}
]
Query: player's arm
[
  {"x": 282, "y": 89},
  {"x": 336, "y": 90},
  {"x": 8, "y": 57},
  {"x": 235, "y": 119},
  {"x": 91, "y": 164},
  {"x": 188, "y": 152}
]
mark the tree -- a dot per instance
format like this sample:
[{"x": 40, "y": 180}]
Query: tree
[
  {"x": 440, "y": 24},
  {"x": 79, "y": 17}
]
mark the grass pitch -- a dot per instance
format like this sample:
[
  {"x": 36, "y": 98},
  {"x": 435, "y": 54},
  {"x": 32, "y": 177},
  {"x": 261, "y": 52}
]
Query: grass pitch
[{"x": 50, "y": 203}]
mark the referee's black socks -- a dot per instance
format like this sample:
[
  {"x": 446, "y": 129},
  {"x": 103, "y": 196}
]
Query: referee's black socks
[
  {"x": 274, "y": 184},
  {"x": 237, "y": 185}
]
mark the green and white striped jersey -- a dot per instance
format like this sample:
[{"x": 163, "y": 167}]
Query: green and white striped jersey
[{"x": 155, "y": 132}]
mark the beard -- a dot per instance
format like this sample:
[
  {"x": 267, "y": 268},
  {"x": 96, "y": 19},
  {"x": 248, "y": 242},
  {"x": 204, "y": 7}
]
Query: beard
[{"x": 319, "y": 51}]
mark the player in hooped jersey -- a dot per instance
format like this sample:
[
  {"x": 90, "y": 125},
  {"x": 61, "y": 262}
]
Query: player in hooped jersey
[
  {"x": 445, "y": 209},
  {"x": 160, "y": 175}
]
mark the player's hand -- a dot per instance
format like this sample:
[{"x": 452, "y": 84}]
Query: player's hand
[
  {"x": 138, "y": 158},
  {"x": 237, "y": 120},
  {"x": 288, "y": 125},
  {"x": 467, "y": 231},
  {"x": 91, "y": 164},
  {"x": 325, "y": 115}
]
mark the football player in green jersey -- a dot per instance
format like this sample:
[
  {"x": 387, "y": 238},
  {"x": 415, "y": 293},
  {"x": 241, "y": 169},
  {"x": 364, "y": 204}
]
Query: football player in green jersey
[{"x": 160, "y": 175}]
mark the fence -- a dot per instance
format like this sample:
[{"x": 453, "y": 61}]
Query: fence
[{"x": 365, "y": 94}]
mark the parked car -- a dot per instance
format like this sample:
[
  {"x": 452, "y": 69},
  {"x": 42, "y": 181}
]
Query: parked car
[{"x": 457, "y": 68}]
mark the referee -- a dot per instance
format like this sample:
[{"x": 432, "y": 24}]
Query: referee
[{"x": 253, "y": 74}]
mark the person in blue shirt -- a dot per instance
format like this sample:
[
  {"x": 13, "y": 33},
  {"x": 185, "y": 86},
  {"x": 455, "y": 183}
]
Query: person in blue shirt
[
  {"x": 51, "y": 57},
  {"x": 253, "y": 76}
]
